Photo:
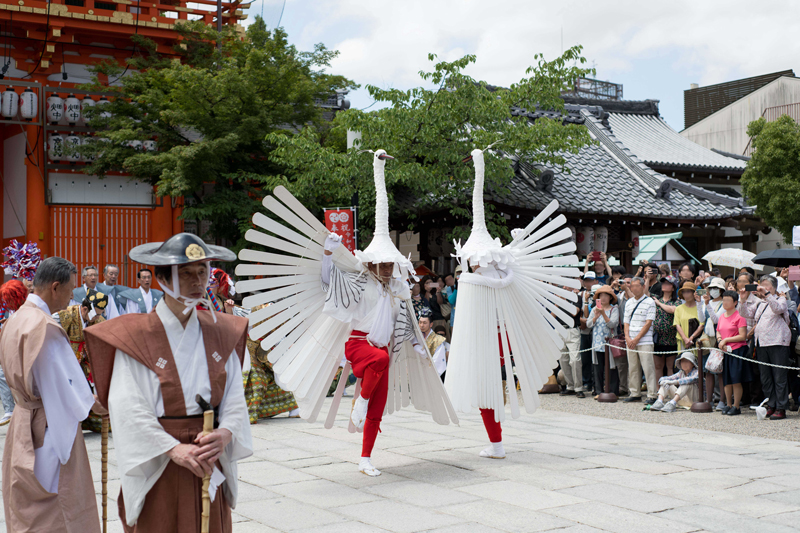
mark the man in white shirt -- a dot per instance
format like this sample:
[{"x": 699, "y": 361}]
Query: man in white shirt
[
  {"x": 47, "y": 481},
  {"x": 157, "y": 372},
  {"x": 143, "y": 299},
  {"x": 436, "y": 344},
  {"x": 640, "y": 312}
]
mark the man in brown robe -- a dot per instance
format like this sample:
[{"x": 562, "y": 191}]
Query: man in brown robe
[
  {"x": 47, "y": 482},
  {"x": 149, "y": 370}
]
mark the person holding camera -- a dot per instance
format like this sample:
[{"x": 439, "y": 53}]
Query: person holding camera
[
  {"x": 770, "y": 310},
  {"x": 602, "y": 270}
]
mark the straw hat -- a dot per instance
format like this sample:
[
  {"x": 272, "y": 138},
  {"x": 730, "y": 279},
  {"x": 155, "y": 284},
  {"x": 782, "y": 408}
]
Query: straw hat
[
  {"x": 605, "y": 289},
  {"x": 688, "y": 286}
]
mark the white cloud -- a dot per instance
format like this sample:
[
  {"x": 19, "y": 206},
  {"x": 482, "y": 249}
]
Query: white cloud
[{"x": 386, "y": 42}]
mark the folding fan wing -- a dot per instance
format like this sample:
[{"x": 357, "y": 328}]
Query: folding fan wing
[{"x": 288, "y": 276}]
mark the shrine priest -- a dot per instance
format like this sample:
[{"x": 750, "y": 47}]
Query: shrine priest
[
  {"x": 47, "y": 483},
  {"x": 157, "y": 373}
]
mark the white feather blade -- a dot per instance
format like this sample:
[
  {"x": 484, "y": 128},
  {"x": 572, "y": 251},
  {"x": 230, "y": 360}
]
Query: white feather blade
[
  {"x": 270, "y": 241},
  {"x": 536, "y": 222},
  {"x": 272, "y": 204},
  {"x": 263, "y": 221},
  {"x": 276, "y": 294},
  {"x": 251, "y": 285},
  {"x": 279, "y": 259},
  {"x": 294, "y": 204}
]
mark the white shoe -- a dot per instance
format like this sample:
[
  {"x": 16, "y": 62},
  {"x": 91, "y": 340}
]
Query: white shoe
[
  {"x": 659, "y": 405},
  {"x": 359, "y": 413},
  {"x": 671, "y": 407},
  {"x": 721, "y": 406},
  {"x": 494, "y": 451},
  {"x": 365, "y": 466},
  {"x": 6, "y": 419}
]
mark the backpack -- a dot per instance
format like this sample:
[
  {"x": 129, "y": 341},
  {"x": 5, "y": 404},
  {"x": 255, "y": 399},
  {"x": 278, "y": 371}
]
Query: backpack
[{"x": 794, "y": 327}]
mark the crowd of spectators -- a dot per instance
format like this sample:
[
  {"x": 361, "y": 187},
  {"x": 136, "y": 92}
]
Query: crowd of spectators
[{"x": 664, "y": 325}]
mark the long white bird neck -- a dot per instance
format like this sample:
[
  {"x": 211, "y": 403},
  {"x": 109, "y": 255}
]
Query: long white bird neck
[
  {"x": 478, "y": 215},
  {"x": 381, "y": 198}
]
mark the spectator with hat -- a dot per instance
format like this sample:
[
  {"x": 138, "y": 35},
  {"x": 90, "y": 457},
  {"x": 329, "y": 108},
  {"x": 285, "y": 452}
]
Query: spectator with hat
[
  {"x": 687, "y": 321},
  {"x": 588, "y": 280},
  {"x": 603, "y": 319},
  {"x": 680, "y": 387}
]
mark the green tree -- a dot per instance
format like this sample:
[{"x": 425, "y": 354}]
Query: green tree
[
  {"x": 429, "y": 131},
  {"x": 771, "y": 180},
  {"x": 209, "y": 108}
]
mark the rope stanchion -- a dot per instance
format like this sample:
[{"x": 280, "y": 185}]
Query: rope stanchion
[{"x": 678, "y": 352}]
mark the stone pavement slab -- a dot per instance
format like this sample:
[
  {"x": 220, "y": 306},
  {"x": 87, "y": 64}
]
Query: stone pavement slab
[{"x": 564, "y": 472}]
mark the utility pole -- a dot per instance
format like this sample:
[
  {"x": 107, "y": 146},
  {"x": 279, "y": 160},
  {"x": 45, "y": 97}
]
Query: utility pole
[{"x": 219, "y": 23}]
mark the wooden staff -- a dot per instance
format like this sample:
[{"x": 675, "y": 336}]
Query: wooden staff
[
  {"x": 208, "y": 427},
  {"x": 104, "y": 451}
]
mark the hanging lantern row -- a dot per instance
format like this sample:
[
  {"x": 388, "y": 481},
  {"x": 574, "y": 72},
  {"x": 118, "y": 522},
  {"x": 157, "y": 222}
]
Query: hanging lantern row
[
  {"x": 14, "y": 105},
  {"x": 588, "y": 240},
  {"x": 57, "y": 144},
  {"x": 72, "y": 109}
]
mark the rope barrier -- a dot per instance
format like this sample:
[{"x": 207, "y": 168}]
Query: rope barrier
[{"x": 677, "y": 352}]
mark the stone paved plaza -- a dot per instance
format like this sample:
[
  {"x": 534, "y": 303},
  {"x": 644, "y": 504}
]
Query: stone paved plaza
[{"x": 564, "y": 472}]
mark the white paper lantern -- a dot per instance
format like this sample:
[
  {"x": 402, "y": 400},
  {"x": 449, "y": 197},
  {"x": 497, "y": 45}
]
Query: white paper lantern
[
  {"x": 601, "y": 239},
  {"x": 29, "y": 104},
  {"x": 10, "y": 103},
  {"x": 55, "y": 147},
  {"x": 136, "y": 145},
  {"x": 150, "y": 146},
  {"x": 585, "y": 240},
  {"x": 86, "y": 103},
  {"x": 104, "y": 101},
  {"x": 635, "y": 241},
  {"x": 72, "y": 109},
  {"x": 71, "y": 142},
  {"x": 55, "y": 109}
]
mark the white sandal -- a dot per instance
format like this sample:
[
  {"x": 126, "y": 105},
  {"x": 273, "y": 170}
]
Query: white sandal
[{"x": 365, "y": 467}]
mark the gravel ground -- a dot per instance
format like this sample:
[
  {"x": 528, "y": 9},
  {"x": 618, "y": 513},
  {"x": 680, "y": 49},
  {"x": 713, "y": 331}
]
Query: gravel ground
[{"x": 744, "y": 424}]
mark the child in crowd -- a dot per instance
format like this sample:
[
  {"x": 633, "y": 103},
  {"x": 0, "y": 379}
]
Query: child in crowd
[{"x": 679, "y": 386}]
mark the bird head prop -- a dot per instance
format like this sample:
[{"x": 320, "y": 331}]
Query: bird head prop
[
  {"x": 481, "y": 249},
  {"x": 381, "y": 249}
]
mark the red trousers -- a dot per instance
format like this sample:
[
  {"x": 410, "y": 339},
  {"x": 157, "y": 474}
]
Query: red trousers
[
  {"x": 371, "y": 364},
  {"x": 493, "y": 428}
]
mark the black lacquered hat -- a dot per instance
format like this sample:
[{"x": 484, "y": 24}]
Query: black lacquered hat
[{"x": 180, "y": 249}]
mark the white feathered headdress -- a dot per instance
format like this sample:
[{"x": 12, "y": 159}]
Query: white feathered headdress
[
  {"x": 481, "y": 249},
  {"x": 382, "y": 249}
]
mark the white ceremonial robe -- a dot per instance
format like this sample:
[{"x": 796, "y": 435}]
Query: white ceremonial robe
[
  {"x": 59, "y": 381},
  {"x": 135, "y": 404}
]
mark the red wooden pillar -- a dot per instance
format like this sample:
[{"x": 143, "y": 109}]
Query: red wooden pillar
[{"x": 37, "y": 218}]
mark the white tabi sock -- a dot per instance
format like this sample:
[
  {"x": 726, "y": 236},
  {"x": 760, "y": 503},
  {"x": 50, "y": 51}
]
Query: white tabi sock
[
  {"x": 494, "y": 451},
  {"x": 366, "y": 467},
  {"x": 359, "y": 414}
]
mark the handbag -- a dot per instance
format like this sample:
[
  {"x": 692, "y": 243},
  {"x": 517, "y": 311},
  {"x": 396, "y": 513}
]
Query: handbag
[
  {"x": 618, "y": 347},
  {"x": 446, "y": 309},
  {"x": 714, "y": 362}
]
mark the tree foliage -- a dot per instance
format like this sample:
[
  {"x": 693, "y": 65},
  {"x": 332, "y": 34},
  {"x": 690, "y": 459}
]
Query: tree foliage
[
  {"x": 771, "y": 180},
  {"x": 429, "y": 131},
  {"x": 209, "y": 108}
]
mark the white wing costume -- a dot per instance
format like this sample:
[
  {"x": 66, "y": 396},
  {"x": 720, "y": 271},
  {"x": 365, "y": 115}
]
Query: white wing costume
[
  {"x": 318, "y": 300},
  {"x": 508, "y": 300}
]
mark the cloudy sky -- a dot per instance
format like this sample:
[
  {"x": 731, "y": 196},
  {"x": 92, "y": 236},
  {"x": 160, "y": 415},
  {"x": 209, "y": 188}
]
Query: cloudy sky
[{"x": 654, "y": 48}]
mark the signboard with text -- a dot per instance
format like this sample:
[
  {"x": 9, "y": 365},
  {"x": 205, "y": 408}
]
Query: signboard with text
[{"x": 340, "y": 221}]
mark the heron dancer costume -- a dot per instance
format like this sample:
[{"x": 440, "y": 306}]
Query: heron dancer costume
[
  {"x": 352, "y": 310},
  {"x": 148, "y": 369},
  {"x": 511, "y": 294}
]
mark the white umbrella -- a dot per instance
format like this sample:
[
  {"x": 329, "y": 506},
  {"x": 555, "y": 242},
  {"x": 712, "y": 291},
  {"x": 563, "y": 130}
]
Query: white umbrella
[{"x": 732, "y": 257}]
